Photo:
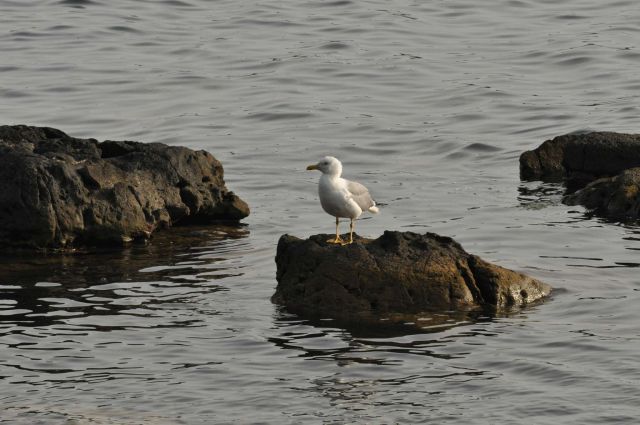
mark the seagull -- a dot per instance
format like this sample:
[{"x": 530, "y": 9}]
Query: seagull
[{"x": 341, "y": 197}]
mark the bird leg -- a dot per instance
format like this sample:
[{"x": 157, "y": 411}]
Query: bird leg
[
  {"x": 337, "y": 239},
  {"x": 351, "y": 226}
]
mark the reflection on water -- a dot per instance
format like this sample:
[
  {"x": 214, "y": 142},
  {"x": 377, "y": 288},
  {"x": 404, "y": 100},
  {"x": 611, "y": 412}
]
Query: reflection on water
[
  {"x": 113, "y": 319},
  {"x": 398, "y": 324},
  {"x": 537, "y": 195},
  {"x": 109, "y": 289}
]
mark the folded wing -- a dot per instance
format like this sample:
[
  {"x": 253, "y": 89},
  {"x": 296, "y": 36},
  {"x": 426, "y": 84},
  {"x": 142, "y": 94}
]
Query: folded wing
[{"x": 360, "y": 195}]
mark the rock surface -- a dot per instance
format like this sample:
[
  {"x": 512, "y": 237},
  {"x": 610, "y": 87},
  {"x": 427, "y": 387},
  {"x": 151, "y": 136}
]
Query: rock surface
[
  {"x": 400, "y": 272},
  {"x": 58, "y": 191},
  {"x": 615, "y": 197},
  {"x": 581, "y": 158}
]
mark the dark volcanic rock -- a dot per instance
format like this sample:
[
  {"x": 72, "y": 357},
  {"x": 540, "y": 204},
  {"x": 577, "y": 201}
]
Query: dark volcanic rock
[
  {"x": 400, "y": 272},
  {"x": 58, "y": 191},
  {"x": 600, "y": 170},
  {"x": 615, "y": 197},
  {"x": 581, "y": 158}
]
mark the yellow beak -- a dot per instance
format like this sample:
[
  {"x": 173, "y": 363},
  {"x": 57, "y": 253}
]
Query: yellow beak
[{"x": 312, "y": 167}]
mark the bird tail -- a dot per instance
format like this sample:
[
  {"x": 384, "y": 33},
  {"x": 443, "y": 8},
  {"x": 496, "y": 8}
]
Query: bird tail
[{"x": 374, "y": 209}]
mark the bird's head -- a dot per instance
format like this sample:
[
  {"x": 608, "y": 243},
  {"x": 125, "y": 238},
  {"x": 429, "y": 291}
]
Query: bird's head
[{"x": 328, "y": 165}]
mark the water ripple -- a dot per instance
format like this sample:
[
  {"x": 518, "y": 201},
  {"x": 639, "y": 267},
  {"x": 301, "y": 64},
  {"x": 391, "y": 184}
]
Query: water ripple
[{"x": 429, "y": 103}]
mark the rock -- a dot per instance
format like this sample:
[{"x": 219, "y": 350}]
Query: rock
[
  {"x": 614, "y": 197},
  {"x": 59, "y": 192},
  {"x": 581, "y": 158},
  {"x": 600, "y": 170},
  {"x": 400, "y": 272}
]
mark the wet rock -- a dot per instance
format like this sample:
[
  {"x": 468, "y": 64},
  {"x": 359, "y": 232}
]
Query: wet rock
[
  {"x": 615, "y": 197},
  {"x": 58, "y": 191},
  {"x": 581, "y": 158},
  {"x": 400, "y": 272}
]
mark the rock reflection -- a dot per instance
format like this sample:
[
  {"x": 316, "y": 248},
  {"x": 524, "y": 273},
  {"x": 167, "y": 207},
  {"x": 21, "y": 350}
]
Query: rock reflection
[
  {"x": 381, "y": 343},
  {"x": 537, "y": 195},
  {"x": 116, "y": 288},
  {"x": 378, "y": 363}
]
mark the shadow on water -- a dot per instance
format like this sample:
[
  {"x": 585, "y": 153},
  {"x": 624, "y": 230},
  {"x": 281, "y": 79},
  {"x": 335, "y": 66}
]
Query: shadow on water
[{"x": 140, "y": 280}]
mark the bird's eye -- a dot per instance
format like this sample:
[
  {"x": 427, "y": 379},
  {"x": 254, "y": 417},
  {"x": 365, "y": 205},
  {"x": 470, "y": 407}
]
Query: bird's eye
[{"x": 325, "y": 163}]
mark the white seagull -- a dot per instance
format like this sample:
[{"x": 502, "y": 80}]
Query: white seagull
[{"x": 341, "y": 197}]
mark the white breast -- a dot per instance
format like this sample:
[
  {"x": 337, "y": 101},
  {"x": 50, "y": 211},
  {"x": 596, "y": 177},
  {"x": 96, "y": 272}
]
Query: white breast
[{"x": 336, "y": 199}]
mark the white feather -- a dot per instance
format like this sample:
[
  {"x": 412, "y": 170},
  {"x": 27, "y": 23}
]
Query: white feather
[{"x": 340, "y": 197}]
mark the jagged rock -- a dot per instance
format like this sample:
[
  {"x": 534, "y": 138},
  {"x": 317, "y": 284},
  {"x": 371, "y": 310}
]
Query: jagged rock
[
  {"x": 581, "y": 158},
  {"x": 400, "y": 272},
  {"x": 58, "y": 191},
  {"x": 615, "y": 197}
]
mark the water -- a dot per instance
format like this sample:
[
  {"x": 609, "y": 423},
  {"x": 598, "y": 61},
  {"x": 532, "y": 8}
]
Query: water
[{"x": 429, "y": 104}]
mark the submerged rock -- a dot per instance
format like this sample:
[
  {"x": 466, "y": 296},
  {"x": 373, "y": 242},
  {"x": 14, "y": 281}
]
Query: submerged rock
[
  {"x": 58, "y": 191},
  {"x": 581, "y": 158},
  {"x": 400, "y": 272}
]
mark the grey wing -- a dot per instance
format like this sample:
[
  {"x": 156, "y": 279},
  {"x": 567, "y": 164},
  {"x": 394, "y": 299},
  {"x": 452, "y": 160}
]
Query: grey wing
[{"x": 360, "y": 194}]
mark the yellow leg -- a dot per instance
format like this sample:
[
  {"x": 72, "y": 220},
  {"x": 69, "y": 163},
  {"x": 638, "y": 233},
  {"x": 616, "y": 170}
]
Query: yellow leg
[
  {"x": 337, "y": 239},
  {"x": 351, "y": 226}
]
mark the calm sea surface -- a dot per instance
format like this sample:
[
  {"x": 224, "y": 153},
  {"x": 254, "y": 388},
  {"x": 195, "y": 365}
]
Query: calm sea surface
[{"x": 429, "y": 103}]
